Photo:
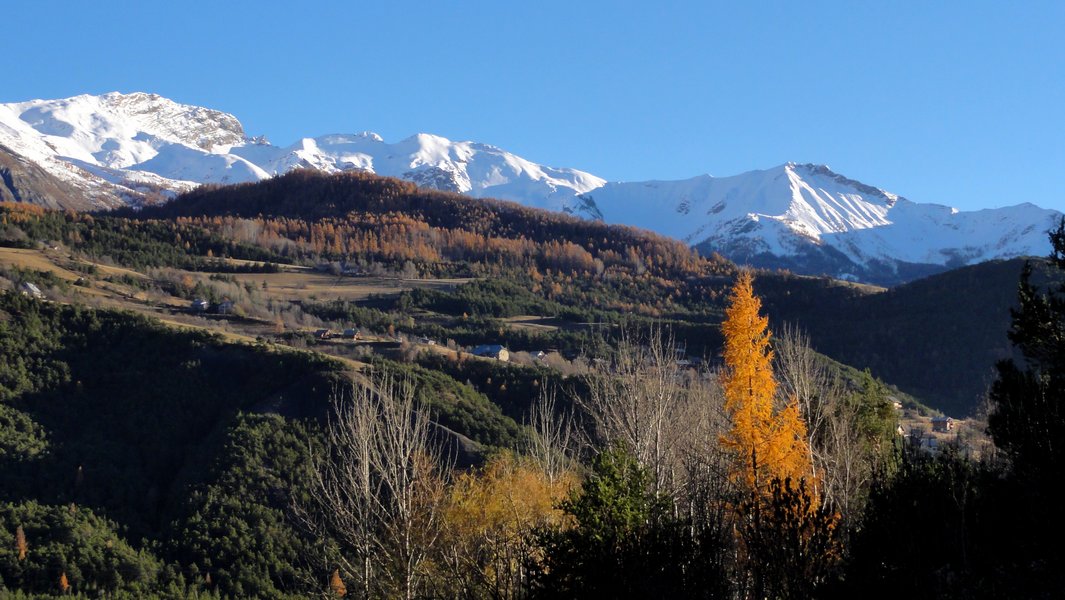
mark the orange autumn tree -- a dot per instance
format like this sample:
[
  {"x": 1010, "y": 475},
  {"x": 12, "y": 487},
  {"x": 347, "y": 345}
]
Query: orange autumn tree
[
  {"x": 336, "y": 585},
  {"x": 20, "y": 543},
  {"x": 766, "y": 444}
]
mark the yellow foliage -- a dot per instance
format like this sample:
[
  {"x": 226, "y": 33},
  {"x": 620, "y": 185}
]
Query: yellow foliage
[
  {"x": 491, "y": 513},
  {"x": 766, "y": 444},
  {"x": 507, "y": 497}
]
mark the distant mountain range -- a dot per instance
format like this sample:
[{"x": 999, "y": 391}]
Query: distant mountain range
[{"x": 119, "y": 149}]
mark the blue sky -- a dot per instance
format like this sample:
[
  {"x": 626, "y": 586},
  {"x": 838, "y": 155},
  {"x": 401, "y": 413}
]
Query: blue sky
[{"x": 960, "y": 103}]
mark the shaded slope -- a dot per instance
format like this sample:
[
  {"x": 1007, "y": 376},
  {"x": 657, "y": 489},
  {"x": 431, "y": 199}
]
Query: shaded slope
[{"x": 937, "y": 338}]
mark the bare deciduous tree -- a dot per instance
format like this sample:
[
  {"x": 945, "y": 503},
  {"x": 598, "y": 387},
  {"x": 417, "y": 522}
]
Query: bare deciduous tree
[
  {"x": 706, "y": 463},
  {"x": 804, "y": 376},
  {"x": 377, "y": 486},
  {"x": 551, "y": 437},
  {"x": 846, "y": 461},
  {"x": 641, "y": 401},
  {"x": 842, "y": 462}
]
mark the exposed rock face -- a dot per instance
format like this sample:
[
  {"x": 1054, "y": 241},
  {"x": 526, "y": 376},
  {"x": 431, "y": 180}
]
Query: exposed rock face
[
  {"x": 433, "y": 178},
  {"x": 193, "y": 125},
  {"x": 21, "y": 180}
]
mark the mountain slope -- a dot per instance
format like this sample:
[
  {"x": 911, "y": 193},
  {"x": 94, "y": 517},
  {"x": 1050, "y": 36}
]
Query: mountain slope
[
  {"x": 22, "y": 180},
  {"x": 812, "y": 220},
  {"x": 141, "y": 148},
  {"x": 937, "y": 338}
]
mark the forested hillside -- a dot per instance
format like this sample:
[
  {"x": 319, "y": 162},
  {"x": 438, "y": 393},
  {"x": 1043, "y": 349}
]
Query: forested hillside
[
  {"x": 546, "y": 265},
  {"x": 937, "y": 338},
  {"x": 333, "y": 385},
  {"x": 131, "y": 460},
  {"x": 922, "y": 337},
  {"x": 135, "y": 458}
]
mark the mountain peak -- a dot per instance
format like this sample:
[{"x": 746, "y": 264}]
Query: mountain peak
[
  {"x": 202, "y": 127},
  {"x": 824, "y": 171},
  {"x": 805, "y": 216},
  {"x": 114, "y": 122}
]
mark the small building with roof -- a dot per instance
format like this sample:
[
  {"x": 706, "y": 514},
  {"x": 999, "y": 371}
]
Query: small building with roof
[
  {"x": 495, "y": 351},
  {"x": 30, "y": 289},
  {"x": 942, "y": 424}
]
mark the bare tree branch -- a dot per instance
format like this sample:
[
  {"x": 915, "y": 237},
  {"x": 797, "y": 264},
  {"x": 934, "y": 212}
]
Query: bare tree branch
[
  {"x": 376, "y": 488},
  {"x": 552, "y": 436}
]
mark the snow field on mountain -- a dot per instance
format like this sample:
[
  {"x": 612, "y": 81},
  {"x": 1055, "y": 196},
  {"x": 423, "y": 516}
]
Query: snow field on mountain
[{"x": 115, "y": 145}]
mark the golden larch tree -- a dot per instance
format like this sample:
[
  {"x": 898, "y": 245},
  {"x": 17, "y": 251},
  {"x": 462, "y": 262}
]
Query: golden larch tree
[
  {"x": 766, "y": 444},
  {"x": 336, "y": 585}
]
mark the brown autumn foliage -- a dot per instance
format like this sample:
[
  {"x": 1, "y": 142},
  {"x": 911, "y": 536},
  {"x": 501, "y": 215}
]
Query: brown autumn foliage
[
  {"x": 20, "y": 543},
  {"x": 336, "y": 585},
  {"x": 352, "y": 213},
  {"x": 310, "y": 217}
]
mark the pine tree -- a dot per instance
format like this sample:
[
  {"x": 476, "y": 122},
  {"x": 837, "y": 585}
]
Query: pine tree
[
  {"x": 766, "y": 444},
  {"x": 1028, "y": 420}
]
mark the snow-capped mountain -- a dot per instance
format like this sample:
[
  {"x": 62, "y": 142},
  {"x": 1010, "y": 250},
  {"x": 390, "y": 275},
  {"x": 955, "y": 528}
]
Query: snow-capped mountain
[
  {"x": 134, "y": 148},
  {"x": 98, "y": 144},
  {"x": 811, "y": 220},
  {"x": 127, "y": 144}
]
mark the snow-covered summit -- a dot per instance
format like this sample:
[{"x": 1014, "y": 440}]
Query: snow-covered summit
[
  {"x": 122, "y": 141},
  {"x": 120, "y": 148},
  {"x": 813, "y": 220},
  {"x": 121, "y": 130},
  {"x": 809, "y": 199}
]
